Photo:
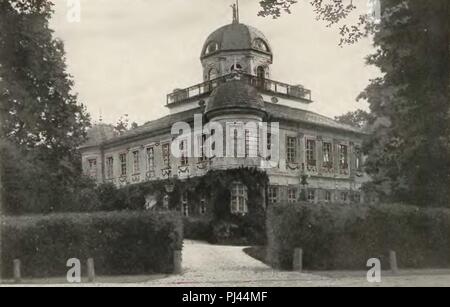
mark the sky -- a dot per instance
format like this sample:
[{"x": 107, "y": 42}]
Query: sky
[{"x": 126, "y": 55}]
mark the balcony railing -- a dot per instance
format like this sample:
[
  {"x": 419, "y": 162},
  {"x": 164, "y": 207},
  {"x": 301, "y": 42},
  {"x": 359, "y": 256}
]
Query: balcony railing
[{"x": 264, "y": 85}]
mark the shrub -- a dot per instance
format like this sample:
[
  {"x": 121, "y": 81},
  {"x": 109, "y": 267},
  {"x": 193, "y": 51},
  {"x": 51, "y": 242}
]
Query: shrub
[
  {"x": 197, "y": 229},
  {"x": 345, "y": 237},
  {"x": 120, "y": 242}
]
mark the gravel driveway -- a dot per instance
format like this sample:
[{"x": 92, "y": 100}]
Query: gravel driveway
[{"x": 206, "y": 265}]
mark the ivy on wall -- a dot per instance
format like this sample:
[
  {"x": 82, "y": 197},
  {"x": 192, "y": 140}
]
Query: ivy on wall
[{"x": 215, "y": 188}]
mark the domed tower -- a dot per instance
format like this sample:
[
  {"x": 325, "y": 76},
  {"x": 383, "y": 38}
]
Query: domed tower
[{"x": 236, "y": 47}]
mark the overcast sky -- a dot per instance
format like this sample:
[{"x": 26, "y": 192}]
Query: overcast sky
[{"x": 127, "y": 55}]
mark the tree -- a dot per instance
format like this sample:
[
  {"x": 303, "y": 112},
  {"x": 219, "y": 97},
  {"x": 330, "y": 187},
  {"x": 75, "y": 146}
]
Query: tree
[
  {"x": 358, "y": 119},
  {"x": 408, "y": 150},
  {"x": 40, "y": 116},
  {"x": 123, "y": 125},
  {"x": 330, "y": 11}
]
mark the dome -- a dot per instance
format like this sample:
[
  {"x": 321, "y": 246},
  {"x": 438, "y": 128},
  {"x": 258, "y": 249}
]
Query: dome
[
  {"x": 236, "y": 37},
  {"x": 235, "y": 94}
]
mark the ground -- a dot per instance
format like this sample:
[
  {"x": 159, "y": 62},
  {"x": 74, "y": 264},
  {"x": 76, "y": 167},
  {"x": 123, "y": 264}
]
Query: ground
[{"x": 206, "y": 265}]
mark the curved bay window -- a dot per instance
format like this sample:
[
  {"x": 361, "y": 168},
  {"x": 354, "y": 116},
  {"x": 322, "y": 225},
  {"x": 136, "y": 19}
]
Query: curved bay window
[{"x": 239, "y": 198}]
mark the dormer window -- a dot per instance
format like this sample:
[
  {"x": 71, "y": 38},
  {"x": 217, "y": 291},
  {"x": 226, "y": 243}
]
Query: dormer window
[
  {"x": 260, "y": 45},
  {"x": 211, "y": 48}
]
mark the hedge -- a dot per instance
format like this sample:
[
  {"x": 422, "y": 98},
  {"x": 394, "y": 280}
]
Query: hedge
[
  {"x": 120, "y": 242},
  {"x": 346, "y": 236}
]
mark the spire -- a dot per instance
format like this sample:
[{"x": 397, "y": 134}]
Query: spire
[{"x": 235, "y": 12}]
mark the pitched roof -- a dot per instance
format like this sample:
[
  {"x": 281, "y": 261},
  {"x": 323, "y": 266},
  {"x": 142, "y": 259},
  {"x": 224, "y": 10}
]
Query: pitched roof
[{"x": 298, "y": 115}]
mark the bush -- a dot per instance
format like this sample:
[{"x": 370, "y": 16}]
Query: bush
[
  {"x": 345, "y": 237},
  {"x": 197, "y": 229},
  {"x": 121, "y": 243}
]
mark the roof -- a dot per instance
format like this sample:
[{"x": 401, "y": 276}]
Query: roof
[
  {"x": 275, "y": 111},
  {"x": 99, "y": 133},
  {"x": 165, "y": 122},
  {"x": 236, "y": 36},
  {"x": 235, "y": 94},
  {"x": 299, "y": 115}
]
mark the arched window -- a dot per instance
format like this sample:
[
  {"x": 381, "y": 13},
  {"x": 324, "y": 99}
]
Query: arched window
[
  {"x": 261, "y": 72},
  {"x": 212, "y": 47},
  {"x": 261, "y": 45},
  {"x": 213, "y": 74}
]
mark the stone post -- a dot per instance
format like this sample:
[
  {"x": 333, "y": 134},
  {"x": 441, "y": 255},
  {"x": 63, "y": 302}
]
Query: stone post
[
  {"x": 298, "y": 260},
  {"x": 393, "y": 262},
  {"x": 91, "y": 270},
  {"x": 177, "y": 262},
  {"x": 17, "y": 269}
]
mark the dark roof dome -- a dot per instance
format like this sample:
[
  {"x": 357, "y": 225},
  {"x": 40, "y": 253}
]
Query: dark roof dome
[
  {"x": 236, "y": 36},
  {"x": 237, "y": 95}
]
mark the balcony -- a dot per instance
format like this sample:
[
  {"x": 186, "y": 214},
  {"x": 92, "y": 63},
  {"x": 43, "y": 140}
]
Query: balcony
[{"x": 265, "y": 86}]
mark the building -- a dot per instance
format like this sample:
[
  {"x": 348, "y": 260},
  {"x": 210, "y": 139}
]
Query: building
[{"x": 315, "y": 154}]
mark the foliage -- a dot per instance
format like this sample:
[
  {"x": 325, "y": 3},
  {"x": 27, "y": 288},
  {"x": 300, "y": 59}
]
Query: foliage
[
  {"x": 358, "y": 119},
  {"x": 330, "y": 11},
  {"x": 42, "y": 124},
  {"x": 197, "y": 228},
  {"x": 341, "y": 236},
  {"x": 408, "y": 149},
  {"x": 120, "y": 243}
]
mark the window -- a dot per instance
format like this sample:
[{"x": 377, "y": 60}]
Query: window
[
  {"x": 166, "y": 202},
  {"x": 213, "y": 74},
  {"x": 247, "y": 143},
  {"x": 327, "y": 196},
  {"x": 123, "y": 164},
  {"x": 357, "y": 197},
  {"x": 344, "y": 196},
  {"x": 166, "y": 155},
  {"x": 311, "y": 195},
  {"x": 358, "y": 159},
  {"x": 136, "y": 166},
  {"x": 236, "y": 143},
  {"x": 343, "y": 156},
  {"x": 273, "y": 195},
  {"x": 185, "y": 204},
  {"x": 311, "y": 152},
  {"x": 212, "y": 47},
  {"x": 239, "y": 199},
  {"x": 202, "y": 150},
  {"x": 203, "y": 206},
  {"x": 184, "y": 153},
  {"x": 236, "y": 67},
  {"x": 327, "y": 155},
  {"x": 92, "y": 171},
  {"x": 261, "y": 72},
  {"x": 260, "y": 45},
  {"x": 292, "y": 195},
  {"x": 150, "y": 158},
  {"x": 109, "y": 167},
  {"x": 291, "y": 150}
]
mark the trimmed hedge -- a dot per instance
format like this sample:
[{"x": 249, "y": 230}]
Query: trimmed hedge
[
  {"x": 345, "y": 236},
  {"x": 120, "y": 242}
]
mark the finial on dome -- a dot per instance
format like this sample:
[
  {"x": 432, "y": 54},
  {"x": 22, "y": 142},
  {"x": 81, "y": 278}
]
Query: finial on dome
[{"x": 235, "y": 12}]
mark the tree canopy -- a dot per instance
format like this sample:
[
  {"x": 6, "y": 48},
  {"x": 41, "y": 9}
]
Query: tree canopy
[{"x": 42, "y": 121}]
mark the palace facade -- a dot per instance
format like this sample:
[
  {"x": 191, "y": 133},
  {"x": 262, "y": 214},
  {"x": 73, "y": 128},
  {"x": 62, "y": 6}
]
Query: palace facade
[{"x": 315, "y": 154}]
